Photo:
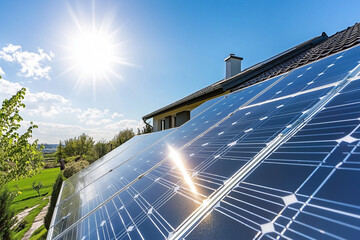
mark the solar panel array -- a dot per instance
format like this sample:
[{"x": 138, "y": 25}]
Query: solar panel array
[{"x": 276, "y": 160}]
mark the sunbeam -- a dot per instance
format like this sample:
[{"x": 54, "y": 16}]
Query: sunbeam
[{"x": 93, "y": 52}]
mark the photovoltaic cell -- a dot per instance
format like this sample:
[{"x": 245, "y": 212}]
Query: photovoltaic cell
[
  {"x": 205, "y": 106},
  {"x": 149, "y": 195}
]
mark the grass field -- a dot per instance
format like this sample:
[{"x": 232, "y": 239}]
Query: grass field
[
  {"x": 30, "y": 219},
  {"x": 40, "y": 233},
  {"x": 29, "y": 197}
]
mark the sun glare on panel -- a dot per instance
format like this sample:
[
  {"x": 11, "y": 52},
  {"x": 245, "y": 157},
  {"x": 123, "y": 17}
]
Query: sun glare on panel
[{"x": 176, "y": 158}]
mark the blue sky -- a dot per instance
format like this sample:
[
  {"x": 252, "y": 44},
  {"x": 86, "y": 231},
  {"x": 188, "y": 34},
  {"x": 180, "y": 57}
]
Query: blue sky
[{"x": 168, "y": 50}]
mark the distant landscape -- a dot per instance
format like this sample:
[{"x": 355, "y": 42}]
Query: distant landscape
[{"x": 48, "y": 148}]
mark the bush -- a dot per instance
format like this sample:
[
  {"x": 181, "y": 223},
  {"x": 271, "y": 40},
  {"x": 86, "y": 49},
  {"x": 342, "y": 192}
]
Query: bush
[
  {"x": 89, "y": 158},
  {"x": 72, "y": 159},
  {"x": 72, "y": 168},
  {"x": 54, "y": 197},
  {"x": 51, "y": 165},
  {"x": 7, "y": 215}
]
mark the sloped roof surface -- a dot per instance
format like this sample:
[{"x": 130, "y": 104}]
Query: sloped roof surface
[{"x": 336, "y": 43}]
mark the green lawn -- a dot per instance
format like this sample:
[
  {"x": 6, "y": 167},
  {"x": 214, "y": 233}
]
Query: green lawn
[
  {"x": 30, "y": 219},
  {"x": 39, "y": 234},
  {"x": 29, "y": 197}
]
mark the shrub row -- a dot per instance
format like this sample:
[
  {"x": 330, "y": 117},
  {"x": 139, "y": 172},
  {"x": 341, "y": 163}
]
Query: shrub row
[
  {"x": 54, "y": 197},
  {"x": 74, "y": 167}
]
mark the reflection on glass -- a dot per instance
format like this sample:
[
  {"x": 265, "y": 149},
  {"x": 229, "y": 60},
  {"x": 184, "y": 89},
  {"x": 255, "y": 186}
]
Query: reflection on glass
[{"x": 175, "y": 156}]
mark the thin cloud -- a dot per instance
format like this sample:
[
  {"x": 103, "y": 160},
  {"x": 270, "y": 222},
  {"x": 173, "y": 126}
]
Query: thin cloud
[
  {"x": 117, "y": 115},
  {"x": 92, "y": 113},
  {"x": 2, "y": 73},
  {"x": 41, "y": 104},
  {"x": 33, "y": 64},
  {"x": 8, "y": 88},
  {"x": 54, "y": 132},
  {"x": 96, "y": 117},
  {"x": 59, "y": 120}
]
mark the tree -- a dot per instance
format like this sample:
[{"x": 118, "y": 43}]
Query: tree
[
  {"x": 101, "y": 148},
  {"x": 146, "y": 129},
  {"x": 7, "y": 215},
  {"x": 37, "y": 187},
  {"x": 60, "y": 151},
  {"x": 18, "y": 157},
  {"x": 121, "y": 137},
  {"x": 70, "y": 148},
  {"x": 82, "y": 145}
]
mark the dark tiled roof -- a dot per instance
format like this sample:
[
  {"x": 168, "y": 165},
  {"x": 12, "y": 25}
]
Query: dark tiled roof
[
  {"x": 336, "y": 43},
  {"x": 309, "y": 51}
]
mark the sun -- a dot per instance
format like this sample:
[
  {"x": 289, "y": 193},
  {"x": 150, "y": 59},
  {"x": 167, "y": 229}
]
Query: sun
[{"x": 93, "y": 53}]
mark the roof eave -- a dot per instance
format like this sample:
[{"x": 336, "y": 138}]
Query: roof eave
[{"x": 185, "y": 103}]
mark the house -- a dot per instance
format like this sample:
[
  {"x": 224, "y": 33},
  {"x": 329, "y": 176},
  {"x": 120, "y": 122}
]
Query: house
[{"x": 177, "y": 113}]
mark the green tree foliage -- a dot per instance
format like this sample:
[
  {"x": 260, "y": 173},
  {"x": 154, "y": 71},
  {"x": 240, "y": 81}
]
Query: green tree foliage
[
  {"x": 53, "y": 200},
  {"x": 146, "y": 129},
  {"x": 79, "y": 146},
  {"x": 60, "y": 152},
  {"x": 70, "y": 147},
  {"x": 85, "y": 144},
  {"x": 37, "y": 187},
  {"x": 80, "y": 151},
  {"x": 18, "y": 157},
  {"x": 7, "y": 215},
  {"x": 101, "y": 148},
  {"x": 121, "y": 137}
]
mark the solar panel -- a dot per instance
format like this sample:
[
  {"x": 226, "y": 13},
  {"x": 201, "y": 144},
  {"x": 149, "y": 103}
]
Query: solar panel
[
  {"x": 261, "y": 162},
  {"x": 88, "y": 198},
  {"x": 304, "y": 189},
  {"x": 205, "y": 106},
  {"x": 103, "y": 165},
  {"x": 75, "y": 179}
]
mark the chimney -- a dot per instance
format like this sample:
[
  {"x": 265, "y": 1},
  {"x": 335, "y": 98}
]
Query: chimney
[{"x": 233, "y": 65}]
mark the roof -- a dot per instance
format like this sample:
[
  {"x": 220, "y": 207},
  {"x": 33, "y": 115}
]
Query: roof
[{"x": 302, "y": 54}]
